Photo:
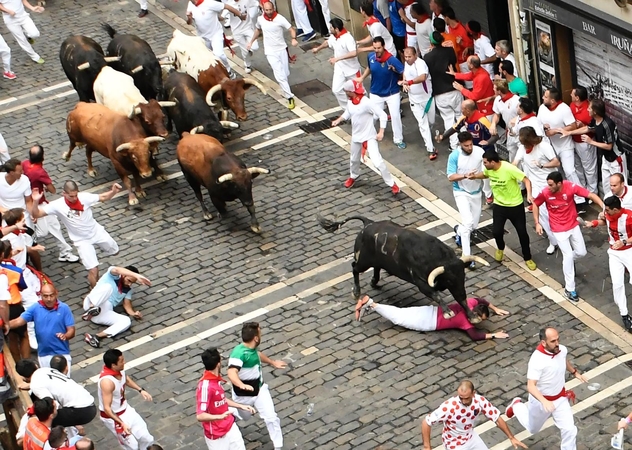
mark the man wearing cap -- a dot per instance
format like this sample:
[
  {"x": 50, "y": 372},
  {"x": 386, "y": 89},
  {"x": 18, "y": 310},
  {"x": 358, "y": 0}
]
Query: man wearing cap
[{"x": 361, "y": 111}]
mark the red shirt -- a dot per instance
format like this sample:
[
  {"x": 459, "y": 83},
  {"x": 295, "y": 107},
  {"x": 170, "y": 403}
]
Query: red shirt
[
  {"x": 460, "y": 321},
  {"x": 483, "y": 87},
  {"x": 211, "y": 399},
  {"x": 561, "y": 205},
  {"x": 38, "y": 176},
  {"x": 466, "y": 41},
  {"x": 581, "y": 113},
  {"x": 620, "y": 228}
]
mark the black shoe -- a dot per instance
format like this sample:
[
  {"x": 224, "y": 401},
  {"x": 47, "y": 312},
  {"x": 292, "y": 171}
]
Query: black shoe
[
  {"x": 143, "y": 13},
  {"x": 92, "y": 340},
  {"x": 581, "y": 208},
  {"x": 627, "y": 322}
]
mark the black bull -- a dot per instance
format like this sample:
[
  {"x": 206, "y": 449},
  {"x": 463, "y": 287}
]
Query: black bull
[{"x": 411, "y": 255}]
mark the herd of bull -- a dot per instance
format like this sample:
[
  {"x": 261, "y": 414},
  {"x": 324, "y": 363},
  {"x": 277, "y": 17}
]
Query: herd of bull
[{"x": 124, "y": 95}]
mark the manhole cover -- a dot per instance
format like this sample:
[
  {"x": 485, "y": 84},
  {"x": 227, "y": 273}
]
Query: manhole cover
[
  {"x": 308, "y": 46},
  {"x": 310, "y": 87},
  {"x": 483, "y": 234},
  {"x": 315, "y": 127}
]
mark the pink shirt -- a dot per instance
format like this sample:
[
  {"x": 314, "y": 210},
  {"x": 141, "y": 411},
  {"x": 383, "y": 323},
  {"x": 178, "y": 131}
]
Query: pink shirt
[
  {"x": 459, "y": 321},
  {"x": 561, "y": 205},
  {"x": 211, "y": 399}
]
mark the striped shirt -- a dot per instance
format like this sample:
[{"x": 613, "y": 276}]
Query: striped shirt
[
  {"x": 247, "y": 361},
  {"x": 212, "y": 400},
  {"x": 620, "y": 228}
]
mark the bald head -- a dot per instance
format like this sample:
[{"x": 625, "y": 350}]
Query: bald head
[
  {"x": 468, "y": 107},
  {"x": 466, "y": 392},
  {"x": 268, "y": 8},
  {"x": 474, "y": 62},
  {"x": 467, "y": 385}
]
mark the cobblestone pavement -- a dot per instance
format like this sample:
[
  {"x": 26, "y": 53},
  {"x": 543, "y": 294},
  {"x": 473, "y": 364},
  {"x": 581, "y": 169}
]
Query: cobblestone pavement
[{"x": 370, "y": 382}]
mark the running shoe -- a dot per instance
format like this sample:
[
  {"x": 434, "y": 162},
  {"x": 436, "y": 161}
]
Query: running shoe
[
  {"x": 457, "y": 238},
  {"x": 68, "y": 257},
  {"x": 531, "y": 264},
  {"x": 350, "y": 182},
  {"x": 395, "y": 189},
  {"x": 509, "y": 412},
  {"x": 91, "y": 312},
  {"x": 499, "y": 255},
  {"x": 92, "y": 340},
  {"x": 9, "y": 75},
  {"x": 572, "y": 296}
]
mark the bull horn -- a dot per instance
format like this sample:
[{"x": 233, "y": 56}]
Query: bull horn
[
  {"x": 434, "y": 274},
  {"x": 167, "y": 104},
  {"x": 167, "y": 63},
  {"x": 229, "y": 124},
  {"x": 227, "y": 177},
  {"x": 209, "y": 96},
  {"x": 478, "y": 259},
  {"x": 197, "y": 129},
  {"x": 84, "y": 66},
  {"x": 256, "y": 84},
  {"x": 258, "y": 170},
  {"x": 122, "y": 147},
  {"x": 109, "y": 59},
  {"x": 152, "y": 139},
  {"x": 137, "y": 69}
]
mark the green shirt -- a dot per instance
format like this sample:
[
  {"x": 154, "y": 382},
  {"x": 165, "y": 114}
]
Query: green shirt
[
  {"x": 249, "y": 364},
  {"x": 519, "y": 87},
  {"x": 505, "y": 184}
]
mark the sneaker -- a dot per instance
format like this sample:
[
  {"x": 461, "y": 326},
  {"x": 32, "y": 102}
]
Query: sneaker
[
  {"x": 68, "y": 257},
  {"x": 92, "y": 340},
  {"x": 248, "y": 69},
  {"x": 509, "y": 412},
  {"x": 363, "y": 305},
  {"x": 457, "y": 238},
  {"x": 401, "y": 145},
  {"x": 432, "y": 156},
  {"x": 472, "y": 265},
  {"x": 30, "y": 40},
  {"x": 290, "y": 104},
  {"x": 308, "y": 37},
  {"x": 143, "y": 13},
  {"x": 91, "y": 312},
  {"x": 531, "y": 264},
  {"x": 395, "y": 189},
  {"x": 489, "y": 200},
  {"x": 581, "y": 208},
  {"x": 551, "y": 249},
  {"x": 572, "y": 296},
  {"x": 627, "y": 322},
  {"x": 350, "y": 182},
  {"x": 232, "y": 75},
  {"x": 9, "y": 75},
  {"x": 40, "y": 61},
  {"x": 499, "y": 255},
  {"x": 300, "y": 32}
]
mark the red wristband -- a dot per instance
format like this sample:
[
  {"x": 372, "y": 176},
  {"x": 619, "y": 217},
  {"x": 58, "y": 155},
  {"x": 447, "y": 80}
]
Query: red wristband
[
  {"x": 595, "y": 223},
  {"x": 410, "y": 82}
]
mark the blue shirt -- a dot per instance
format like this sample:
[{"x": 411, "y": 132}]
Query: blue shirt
[
  {"x": 49, "y": 322},
  {"x": 113, "y": 282},
  {"x": 384, "y": 80},
  {"x": 7, "y": 265},
  {"x": 398, "y": 27},
  {"x": 378, "y": 14}
]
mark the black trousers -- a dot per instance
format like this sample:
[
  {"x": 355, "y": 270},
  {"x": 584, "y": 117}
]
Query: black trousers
[
  {"x": 70, "y": 417},
  {"x": 516, "y": 215}
]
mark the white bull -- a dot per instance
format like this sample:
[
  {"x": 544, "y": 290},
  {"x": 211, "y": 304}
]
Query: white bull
[{"x": 190, "y": 54}]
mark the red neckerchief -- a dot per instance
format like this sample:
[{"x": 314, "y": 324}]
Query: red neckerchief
[
  {"x": 122, "y": 289},
  {"x": 270, "y": 19},
  {"x": 54, "y": 308},
  {"x": 340, "y": 34},
  {"x": 384, "y": 57},
  {"x": 74, "y": 206},
  {"x": 505, "y": 98},
  {"x": 30, "y": 411},
  {"x": 210, "y": 376},
  {"x": 614, "y": 217},
  {"x": 423, "y": 18},
  {"x": 18, "y": 232},
  {"x": 357, "y": 99},
  {"x": 106, "y": 371},
  {"x": 541, "y": 349},
  {"x": 554, "y": 107},
  {"x": 474, "y": 117},
  {"x": 199, "y": 2},
  {"x": 528, "y": 116},
  {"x": 370, "y": 21},
  {"x": 529, "y": 149}
]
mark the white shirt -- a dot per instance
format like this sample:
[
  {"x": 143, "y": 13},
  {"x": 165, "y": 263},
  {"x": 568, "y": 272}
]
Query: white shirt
[
  {"x": 81, "y": 225},
  {"x": 5, "y": 295},
  {"x": 377, "y": 29},
  {"x": 273, "y": 40},
  {"x": 238, "y": 26},
  {"x": 561, "y": 117},
  {"x": 541, "y": 154},
  {"x": 461, "y": 163},
  {"x": 361, "y": 115},
  {"x": 626, "y": 198},
  {"x": 16, "y": 6},
  {"x": 512, "y": 58},
  {"x": 4, "y": 150},
  {"x": 424, "y": 30},
  {"x": 532, "y": 122},
  {"x": 206, "y": 17},
  {"x": 483, "y": 49},
  {"x": 18, "y": 241},
  {"x": 47, "y": 382},
  {"x": 508, "y": 110},
  {"x": 549, "y": 371},
  {"x": 12, "y": 195},
  {"x": 118, "y": 396},
  {"x": 409, "y": 16},
  {"x": 341, "y": 46},
  {"x": 418, "y": 93}
]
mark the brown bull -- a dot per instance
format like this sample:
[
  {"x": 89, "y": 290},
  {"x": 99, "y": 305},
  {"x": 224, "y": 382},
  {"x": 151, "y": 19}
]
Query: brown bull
[{"x": 116, "y": 137}]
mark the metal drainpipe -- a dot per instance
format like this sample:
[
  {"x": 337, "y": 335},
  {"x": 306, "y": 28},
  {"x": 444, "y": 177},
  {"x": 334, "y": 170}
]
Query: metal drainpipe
[{"x": 515, "y": 6}]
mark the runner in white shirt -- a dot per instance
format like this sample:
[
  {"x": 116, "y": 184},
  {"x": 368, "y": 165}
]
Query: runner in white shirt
[
  {"x": 483, "y": 47},
  {"x": 15, "y": 189},
  {"x": 375, "y": 28},
  {"x": 418, "y": 84},
  {"x": 242, "y": 30},
  {"x": 4, "y": 149},
  {"x": 506, "y": 107},
  {"x": 345, "y": 59},
  {"x": 526, "y": 118},
  {"x": 619, "y": 188},
  {"x": 547, "y": 395},
  {"x": 74, "y": 210},
  {"x": 272, "y": 25},
  {"x": 458, "y": 415},
  {"x": 407, "y": 17},
  {"x": 423, "y": 27},
  {"x": 361, "y": 111},
  {"x": 538, "y": 160},
  {"x": 21, "y": 26},
  {"x": 205, "y": 14}
]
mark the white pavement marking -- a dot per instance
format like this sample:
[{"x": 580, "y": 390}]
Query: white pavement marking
[{"x": 35, "y": 102}]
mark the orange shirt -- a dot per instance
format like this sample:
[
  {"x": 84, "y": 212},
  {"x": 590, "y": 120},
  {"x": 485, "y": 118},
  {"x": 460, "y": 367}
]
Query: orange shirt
[
  {"x": 466, "y": 41},
  {"x": 36, "y": 435},
  {"x": 455, "y": 45}
]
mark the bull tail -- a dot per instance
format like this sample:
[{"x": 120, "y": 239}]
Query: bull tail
[
  {"x": 108, "y": 29},
  {"x": 333, "y": 226}
]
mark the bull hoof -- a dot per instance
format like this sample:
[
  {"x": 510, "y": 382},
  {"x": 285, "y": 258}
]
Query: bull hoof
[
  {"x": 448, "y": 314},
  {"x": 375, "y": 284},
  {"x": 141, "y": 194},
  {"x": 208, "y": 216},
  {"x": 133, "y": 201},
  {"x": 256, "y": 228},
  {"x": 92, "y": 173},
  {"x": 65, "y": 156},
  {"x": 161, "y": 177},
  {"x": 356, "y": 293},
  {"x": 474, "y": 319}
]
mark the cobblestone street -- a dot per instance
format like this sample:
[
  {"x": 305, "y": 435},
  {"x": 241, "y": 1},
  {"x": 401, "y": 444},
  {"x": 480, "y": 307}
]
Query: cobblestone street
[{"x": 370, "y": 382}]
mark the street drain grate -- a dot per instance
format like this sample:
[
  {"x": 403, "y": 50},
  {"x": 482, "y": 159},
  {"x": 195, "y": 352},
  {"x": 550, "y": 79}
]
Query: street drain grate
[
  {"x": 311, "y": 87},
  {"x": 484, "y": 234},
  {"x": 315, "y": 127}
]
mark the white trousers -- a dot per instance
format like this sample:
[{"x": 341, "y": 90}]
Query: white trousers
[
  {"x": 50, "y": 225},
  {"x": 469, "y": 207},
  {"x": 299, "y": 10},
  {"x": 23, "y": 28},
  {"x": 100, "y": 296},
  {"x": 242, "y": 41},
  {"x": 5, "y": 53},
  {"x": 475, "y": 443},
  {"x": 143, "y": 4},
  {"x": 586, "y": 165},
  {"x": 532, "y": 416},
  {"x": 418, "y": 318},
  {"x": 230, "y": 441},
  {"x": 393, "y": 102},
  {"x": 281, "y": 68},
  {"x": 512, "y": 146},
  {"x": 567, "y": 161},
  {"x": 44, "y": 361},
  {"x": 619, "y": 165},
  {"x": 571, "y": 244},
  {"x": 337, "y": 82},
  {"x": 449, "y": 106},
  {"x": 425, "y": 122},
  {"x": 265, "y": 407},
  {"x": 544, "y": 215},
  {"x": 88, "y": 253},
  {"x": 411, "y": 41},
  {"x": 376, "y": 158},
  {"x": 618, "y": 261},
  {"x": 216, "y": 45},
  {"x": 139, "y": 439}
]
